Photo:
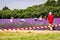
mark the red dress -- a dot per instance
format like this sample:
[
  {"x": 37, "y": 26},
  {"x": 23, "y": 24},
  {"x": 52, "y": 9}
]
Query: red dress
[{"x": 50, "y": 19}]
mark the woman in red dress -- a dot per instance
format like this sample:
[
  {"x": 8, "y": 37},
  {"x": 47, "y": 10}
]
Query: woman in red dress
[{"x": 50, "y": 20}]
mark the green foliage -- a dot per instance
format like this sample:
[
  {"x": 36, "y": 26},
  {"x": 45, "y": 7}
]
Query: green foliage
[
  {"x": 53, "y": 3},
  {"x": 34, "y": 11},
  {"x": 5, "y": 8},
  {"x": 50, "y": 3}
]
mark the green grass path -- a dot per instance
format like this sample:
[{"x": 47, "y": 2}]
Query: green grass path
[{"x": 29, "y": 36}]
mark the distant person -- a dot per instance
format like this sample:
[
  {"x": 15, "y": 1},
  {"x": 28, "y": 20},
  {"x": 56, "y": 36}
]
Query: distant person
[
  {"x": 45, "y": 17},
  {"x": 36, "y": 19},
  {"x": 45, "y": 20},
  {"x": 50, "y": 20},
  {"x": 11, "y": 19},
  {"x": 40, "y": 18}
]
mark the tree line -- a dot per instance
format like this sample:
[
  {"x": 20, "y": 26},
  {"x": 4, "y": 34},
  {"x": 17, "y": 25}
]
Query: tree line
[{"x": 31, "y": 12}]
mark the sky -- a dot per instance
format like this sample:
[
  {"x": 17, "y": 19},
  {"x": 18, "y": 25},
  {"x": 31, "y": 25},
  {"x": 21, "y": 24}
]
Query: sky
[{"x": 20, "y": 4}]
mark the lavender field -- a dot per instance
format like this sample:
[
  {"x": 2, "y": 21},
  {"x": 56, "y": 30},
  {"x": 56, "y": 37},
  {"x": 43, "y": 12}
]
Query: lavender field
[{"x": 29, "y": 22}]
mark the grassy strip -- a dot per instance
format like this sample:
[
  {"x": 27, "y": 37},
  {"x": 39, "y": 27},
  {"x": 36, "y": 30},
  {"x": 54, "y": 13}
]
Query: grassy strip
[{"x": 29, "y": 35}]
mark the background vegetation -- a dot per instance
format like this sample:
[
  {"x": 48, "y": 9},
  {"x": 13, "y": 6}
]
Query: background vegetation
[{"x": 34, "y": 11}]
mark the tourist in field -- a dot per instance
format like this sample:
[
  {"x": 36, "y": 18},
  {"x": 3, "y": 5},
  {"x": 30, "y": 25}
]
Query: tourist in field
[
  {"x": 50, "y": 20},
  {"x": 36, "y": 19},
  {"x": 11, "y": 19},
  {"x": 40, "y": 18},
  {"x": 45, "y": 20},
  {"x": 45, "y": 17}
]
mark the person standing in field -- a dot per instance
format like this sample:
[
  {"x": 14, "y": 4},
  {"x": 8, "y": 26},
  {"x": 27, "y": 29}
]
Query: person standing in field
[
  {"x": 11, "y": 19},
  {"x": 45, "y": 17},
  {"x": 50, "y": 20},
  {"x": 40, "y": 18}
]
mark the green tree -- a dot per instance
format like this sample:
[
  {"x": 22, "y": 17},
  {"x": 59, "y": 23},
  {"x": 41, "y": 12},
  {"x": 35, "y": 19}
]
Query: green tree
[{"x": 5, "y": 8}]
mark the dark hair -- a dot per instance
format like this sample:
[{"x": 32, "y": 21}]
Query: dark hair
[{"x": 45, "y": 17}]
